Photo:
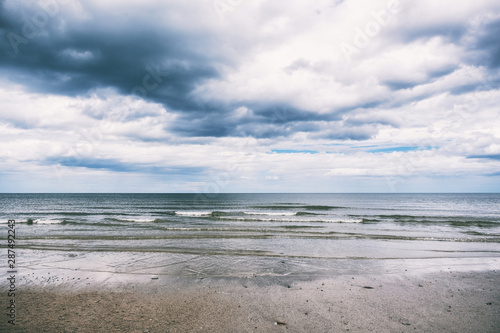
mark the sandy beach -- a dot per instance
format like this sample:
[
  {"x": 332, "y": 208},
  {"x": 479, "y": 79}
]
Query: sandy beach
[
  {"x": 443, "y": 301},
  {"x": 255, "y": 263}
]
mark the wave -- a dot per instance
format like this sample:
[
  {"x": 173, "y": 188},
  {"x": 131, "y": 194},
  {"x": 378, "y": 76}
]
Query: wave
[
  {"x": 271, "y": 213},
  {"x": 370, "y": 220},
  {"x": 306, "y": 214},
  {"x": 78, "y": 213},
  {"x": 137, "y": 219},
  {"x": 194, "y": 213},
  {"x": 217, "y": 213},
  {"x": 306, "y": 207},
  {"x": 161, "y": 220},
  {"x": 169, "y": 212},
  {"x": 239, "y": 213},
  {"x": 240, "y": 216},
  {"x": 94, "y": 223},
  {"x": 323, "y": 207},
  {"x": 455, "y": 221},
  {"x": 42, "y": 221},
  {"x": 271, "y": 219}
]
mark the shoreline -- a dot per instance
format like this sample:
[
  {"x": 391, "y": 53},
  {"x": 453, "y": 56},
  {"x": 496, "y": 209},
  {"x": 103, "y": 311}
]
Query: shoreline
[{"x": 409, "y": 301}]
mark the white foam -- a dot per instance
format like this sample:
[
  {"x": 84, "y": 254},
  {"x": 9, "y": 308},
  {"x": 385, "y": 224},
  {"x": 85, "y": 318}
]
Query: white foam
[
  {"x": 344, "y": 221},
  {"x": 138, "y": 220},
  {"x": 194, "y": 214},
  {"x": 277, "y": 219},
  {"x": 271, "y": 213},
  {"x": 47, "y": 221}
]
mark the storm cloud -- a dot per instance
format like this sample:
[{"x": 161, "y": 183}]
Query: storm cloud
[{"x": 159, "y": 86}]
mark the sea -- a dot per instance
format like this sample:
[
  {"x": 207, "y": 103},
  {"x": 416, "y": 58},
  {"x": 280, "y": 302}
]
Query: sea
[{"x": 302, "y": 236}]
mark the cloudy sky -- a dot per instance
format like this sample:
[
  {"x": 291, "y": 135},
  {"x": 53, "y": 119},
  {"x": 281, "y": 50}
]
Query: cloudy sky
[{"x": 214, "y": 96}]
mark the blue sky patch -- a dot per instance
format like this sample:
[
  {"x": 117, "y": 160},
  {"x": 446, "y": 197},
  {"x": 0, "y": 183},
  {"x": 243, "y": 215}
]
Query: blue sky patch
[{"x": 403, "y": 149}]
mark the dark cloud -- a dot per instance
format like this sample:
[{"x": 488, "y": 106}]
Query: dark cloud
[
  {"x": 347, "y": 133},
  {"x": 487, "y": 42},
  {"x": 261, "y": 121},
  {"x": 450, "y": 32},
  {"x": 400, "y": 84},
  {"x": 105, "y": 51},
  {"x": 283, "y": 114},
  {"x": 442, "y": 71},
  {"x": 466, "y": 88},
  {"x": 119, "y": 166},
  {"x": 483, "y": 40},
  {"x": 430, "y": 76},
  {"x": 153, "y": 62},
  {"x": 276, "y": 120},
  {"x": 139, "y": 53},
  {"x": 371, "y": 120},
  {"x": 490, "y": 156}
]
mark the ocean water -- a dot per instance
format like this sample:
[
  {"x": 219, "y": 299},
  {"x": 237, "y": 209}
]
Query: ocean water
[{"x": 241, "y": 235}]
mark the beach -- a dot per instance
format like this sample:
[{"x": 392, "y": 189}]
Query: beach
[
  {"x": 412, "y": 301},
  {"x": 251, "y": 263}
]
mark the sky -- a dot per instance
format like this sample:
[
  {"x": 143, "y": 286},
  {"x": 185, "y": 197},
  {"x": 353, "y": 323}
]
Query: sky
[{"x": 216, "y": 96}]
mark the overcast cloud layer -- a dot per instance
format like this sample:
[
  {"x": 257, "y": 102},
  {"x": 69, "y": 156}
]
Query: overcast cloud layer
[{"x": 214, "y": 96}]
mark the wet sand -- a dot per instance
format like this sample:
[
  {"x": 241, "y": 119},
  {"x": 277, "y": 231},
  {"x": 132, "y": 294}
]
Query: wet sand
[{"x": 445, "y": 301}]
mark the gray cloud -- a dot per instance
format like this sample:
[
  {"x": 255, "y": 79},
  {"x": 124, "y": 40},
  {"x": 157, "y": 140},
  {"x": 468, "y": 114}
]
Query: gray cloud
[
  {"x": 107, "y": 51},
  {"x": 487, "y": 156},
  {"x": 450, "y": 32},
  {"x": 487, "y": 41},
  {"x": 430, "y": 76},
  {"x": 154, "y": 62},
  {"x": 263, "y": 121},
  {"x": 139, "y": 53},
  {"x": 120, "y": 166}
]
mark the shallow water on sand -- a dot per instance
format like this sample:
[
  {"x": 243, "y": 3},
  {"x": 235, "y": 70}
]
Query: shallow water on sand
[{"x": 234, "y": 235}]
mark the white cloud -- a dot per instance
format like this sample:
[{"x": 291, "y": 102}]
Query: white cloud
[{"x": 416, "y": 85}]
